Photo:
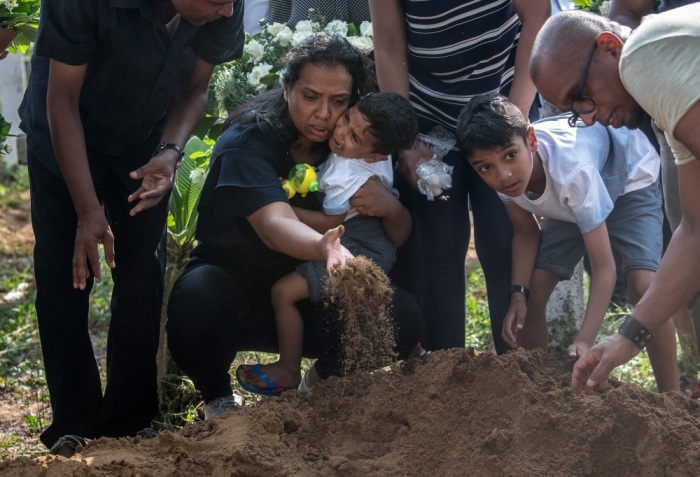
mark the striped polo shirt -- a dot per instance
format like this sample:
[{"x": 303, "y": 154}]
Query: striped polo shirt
[{"x": 456, "y": 50}]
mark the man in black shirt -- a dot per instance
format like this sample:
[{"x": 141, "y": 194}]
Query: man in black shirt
[{"x": 115, "y": 92}]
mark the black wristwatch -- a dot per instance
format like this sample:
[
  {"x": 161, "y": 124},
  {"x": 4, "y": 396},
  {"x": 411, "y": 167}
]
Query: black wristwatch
[
  {"x": 174, "y": 147},
  {"x": 520, "y": 289},
  {"x": 635, "y": 331}
]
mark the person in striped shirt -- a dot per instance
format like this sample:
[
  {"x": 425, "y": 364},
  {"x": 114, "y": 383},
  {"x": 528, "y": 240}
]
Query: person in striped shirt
[{"x": 440, "y": 55}]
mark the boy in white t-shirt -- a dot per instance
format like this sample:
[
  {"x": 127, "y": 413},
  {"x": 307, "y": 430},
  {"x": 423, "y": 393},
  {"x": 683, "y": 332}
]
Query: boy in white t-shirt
[
  {"x": 596, "y": 190},
  {"x": 361, "y": 143}
]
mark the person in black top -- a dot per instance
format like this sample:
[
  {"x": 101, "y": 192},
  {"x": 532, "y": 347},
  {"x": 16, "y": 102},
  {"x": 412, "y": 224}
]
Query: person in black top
[
  {"x": 250, "y": 234},
  {"x": 114, "y": 94}
]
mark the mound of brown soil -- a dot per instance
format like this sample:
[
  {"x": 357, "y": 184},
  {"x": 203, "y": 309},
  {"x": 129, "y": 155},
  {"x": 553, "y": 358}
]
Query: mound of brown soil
[{"x": 454, "y": 414}]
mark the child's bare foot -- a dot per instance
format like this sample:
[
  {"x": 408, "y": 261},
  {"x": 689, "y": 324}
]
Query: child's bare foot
[{"x": 282, "y": 376}]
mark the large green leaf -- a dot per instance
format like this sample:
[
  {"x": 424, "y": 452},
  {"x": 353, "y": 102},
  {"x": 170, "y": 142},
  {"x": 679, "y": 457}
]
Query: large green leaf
[
  {"x": 182, "y": 217},
  {"x": 201, "y": 130}
]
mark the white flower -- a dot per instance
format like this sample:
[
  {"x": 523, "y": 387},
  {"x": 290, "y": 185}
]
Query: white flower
[
  {"x": 284, "y": 36},
  {"x": 366, "y": 29},
  {"x": 197, "y": 176},
  {"x": 362, "y": 43},
  {"x": 256, "y": 51},
  {"x": 275, "y": 28},
  {"x": 605, "y": 8},
  {"x": 306, "y": 26},
  {"x": 258, "y": 72},
  {"x": 337, "y": 26},
  {"x": 299, "y": 36},
  {"x": 9, "y": 4}
]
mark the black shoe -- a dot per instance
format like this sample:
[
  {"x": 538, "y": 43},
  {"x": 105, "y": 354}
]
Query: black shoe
[{"x": 67, "y": 446}]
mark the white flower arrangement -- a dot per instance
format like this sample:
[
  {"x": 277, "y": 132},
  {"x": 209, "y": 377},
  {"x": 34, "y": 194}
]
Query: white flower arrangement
[{"x": 258, "y": 69}]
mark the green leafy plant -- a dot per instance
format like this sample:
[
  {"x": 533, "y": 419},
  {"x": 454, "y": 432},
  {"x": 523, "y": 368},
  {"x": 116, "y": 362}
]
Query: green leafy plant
[
  {"x": 179, "y": 403},
  {"x": 21, "y": 17},
  {"x": 181, "y": 225},
  {"x": 4, "y": 131},
  {"x": 35, "y": 423},
  {"x": 182, "y": 214},
  {"x": 478, "y": 329}
]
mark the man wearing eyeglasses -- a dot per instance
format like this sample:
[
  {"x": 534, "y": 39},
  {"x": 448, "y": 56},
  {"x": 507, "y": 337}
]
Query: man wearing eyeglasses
[
  {"x": 687, "y": 319},
  {"x": 596, "y": 69}
]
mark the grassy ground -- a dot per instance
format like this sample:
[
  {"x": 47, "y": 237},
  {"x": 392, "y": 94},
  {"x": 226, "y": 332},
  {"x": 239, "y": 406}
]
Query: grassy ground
[{"x": 24, "y": 401}]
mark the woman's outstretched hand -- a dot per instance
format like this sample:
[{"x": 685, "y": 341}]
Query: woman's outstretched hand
[{"x": 336, "y": 254}]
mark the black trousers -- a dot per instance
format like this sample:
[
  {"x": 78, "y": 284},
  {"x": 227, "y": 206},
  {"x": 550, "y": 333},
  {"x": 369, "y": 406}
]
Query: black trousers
[
  {"x": 130, "y": 399},
  {"x": 431, "y": 264},
  {"x": 214, "y": 313}
]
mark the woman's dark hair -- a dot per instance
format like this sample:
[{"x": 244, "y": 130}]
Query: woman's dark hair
[
  {"x": 489, "y": 120},
  {"x": 326, "y": 49}
]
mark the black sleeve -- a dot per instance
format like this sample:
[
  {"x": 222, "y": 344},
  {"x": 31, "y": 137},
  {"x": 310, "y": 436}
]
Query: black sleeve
[
  {"x": 68, "y": 31},
  {"x": 246, "y": 182}
]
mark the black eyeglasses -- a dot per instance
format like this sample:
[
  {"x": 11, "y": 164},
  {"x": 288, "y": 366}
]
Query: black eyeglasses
[{"x": 580, "y": 103}]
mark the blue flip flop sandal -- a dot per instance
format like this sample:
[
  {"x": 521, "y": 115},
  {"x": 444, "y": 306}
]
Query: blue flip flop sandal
[{"x": 272, "y": 390}]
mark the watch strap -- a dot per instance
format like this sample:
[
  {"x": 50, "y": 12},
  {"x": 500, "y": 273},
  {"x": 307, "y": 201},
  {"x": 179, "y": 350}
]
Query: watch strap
[
  {"x": 174, "y": 147},
  {"x": 520, "y": 289}
]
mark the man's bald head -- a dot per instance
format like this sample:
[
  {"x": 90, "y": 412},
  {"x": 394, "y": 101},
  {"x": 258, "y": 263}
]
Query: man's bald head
[
  {"x": 575, "y": 66},
  {"x": 565, "y": 39}
]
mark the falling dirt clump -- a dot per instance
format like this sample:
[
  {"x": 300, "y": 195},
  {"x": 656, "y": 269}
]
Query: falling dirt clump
[{"x": 362, "y": 293}]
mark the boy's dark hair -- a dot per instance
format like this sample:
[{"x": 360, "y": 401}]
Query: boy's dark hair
[
  {"x": 392, "y": 121},
  {"x": 487, "y": 121}
]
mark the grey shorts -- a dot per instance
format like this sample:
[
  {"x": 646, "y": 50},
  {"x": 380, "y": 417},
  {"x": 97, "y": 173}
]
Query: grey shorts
[
  {"x": 635, "y": 230},
  {"x": 363, "y": 236}
]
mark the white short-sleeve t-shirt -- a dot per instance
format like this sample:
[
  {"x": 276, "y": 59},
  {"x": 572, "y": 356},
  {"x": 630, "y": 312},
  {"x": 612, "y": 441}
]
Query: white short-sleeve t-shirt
[
  {"x": 579, "y": 173},
  {"x": 341, "y": 177}
]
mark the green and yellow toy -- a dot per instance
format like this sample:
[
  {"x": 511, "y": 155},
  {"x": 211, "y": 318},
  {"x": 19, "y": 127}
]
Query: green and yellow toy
[{"x": 302, "y": 180}]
